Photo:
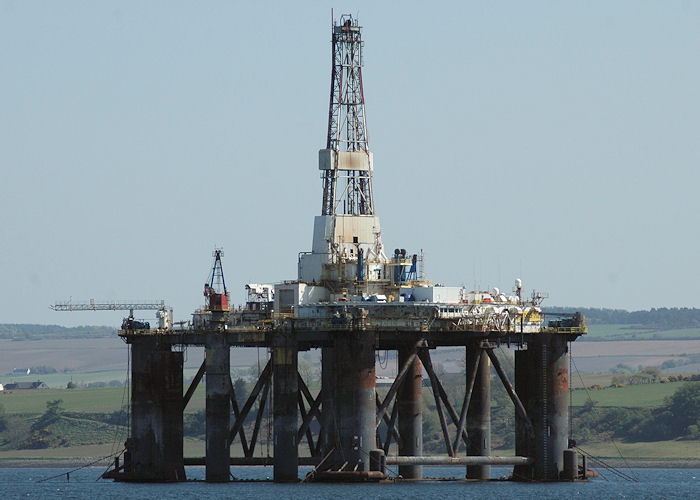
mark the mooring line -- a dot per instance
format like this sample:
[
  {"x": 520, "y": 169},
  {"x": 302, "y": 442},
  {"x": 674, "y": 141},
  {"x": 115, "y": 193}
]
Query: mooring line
[
  {"x": 112, "y": 456},
  {"x": 313, "y": 472},
  {"x": 67, "y": 474},
  {"x": 588, "y": 394},
  {"x": 609, "y": 467},
  {"x": 115, "y": 439}
]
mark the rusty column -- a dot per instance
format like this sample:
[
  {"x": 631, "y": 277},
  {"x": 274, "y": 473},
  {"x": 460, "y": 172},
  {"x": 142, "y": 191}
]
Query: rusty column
[
  {"x": 155, "y": 445},
  {"x": 558, "y": 407},
  {"x": 525, "y": 380},
  {"x": 410, "y": 414},
  {"x": 328, "y": 433},
  {"x": 542, "y": 384},
  {"x": 285, "y": 394},
  {"x": 355, "y": 403},
  {"x": 479, "y": 412},
  {"x": 218, "y": 408}
]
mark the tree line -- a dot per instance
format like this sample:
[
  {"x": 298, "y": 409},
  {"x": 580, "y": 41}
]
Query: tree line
[
  {"x": 662, "y": 318},
  {"x": 677, "y": 418},
  {"x": 11, "y": 331}
]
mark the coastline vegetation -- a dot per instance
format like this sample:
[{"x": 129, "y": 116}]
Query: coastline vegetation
[{"x": 19, "y": 332}]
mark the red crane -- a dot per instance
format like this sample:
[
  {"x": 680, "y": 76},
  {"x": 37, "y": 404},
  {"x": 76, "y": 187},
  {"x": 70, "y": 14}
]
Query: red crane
[{"x": 215, "y": 289}]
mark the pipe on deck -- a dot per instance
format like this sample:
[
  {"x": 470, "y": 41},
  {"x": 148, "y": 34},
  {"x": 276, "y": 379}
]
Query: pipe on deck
[
  {"x": 251, "y": 461},
  {"x": 483, "y": 460}
]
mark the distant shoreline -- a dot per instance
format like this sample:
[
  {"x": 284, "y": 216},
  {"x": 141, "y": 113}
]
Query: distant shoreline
[
  {"x": 633, "y": 463},
  {"x": 73, "y": 463}
]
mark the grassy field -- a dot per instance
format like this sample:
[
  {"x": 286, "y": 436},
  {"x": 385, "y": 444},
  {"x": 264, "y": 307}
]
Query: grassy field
[
  {"x": 192, "y": 448},
  {"x": 632, "y": 332},
  {"x": 81, "y": 431},
  {"x": 98, "y": 399},
  {"x": 104, "y": 399},
  {"x": 109, "y": 399},
  {"x": 676, "y": 449},
  {"x": 629, "y": 396}
]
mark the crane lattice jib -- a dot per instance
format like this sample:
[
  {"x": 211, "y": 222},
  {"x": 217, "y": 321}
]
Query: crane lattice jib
[
  {"x": 110, "y": 306},
  {"x": 347, "y": 127},
  {"x": 216, "y": 281}
]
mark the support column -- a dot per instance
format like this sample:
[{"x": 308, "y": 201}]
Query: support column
[
  {"x": 558, "y": 379},
  {"x": 410, "y": 414},
  {"x": 479, "y": 413},
  {"x": 355, "y": 399},
  {"x": 542, "y": 384},
  {"x": 285, "y": 394},
  {"x": 328, "y": 432},
  {"x": 155, "y": 445},
  {"x": 525, "y": 381},
  {"x": 218, "y": 408}
]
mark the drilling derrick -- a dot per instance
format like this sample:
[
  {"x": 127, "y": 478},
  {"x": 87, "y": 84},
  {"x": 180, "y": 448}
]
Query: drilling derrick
[
  {"x": 347, "y": 256},
  {"x": 347, "y": 129}
]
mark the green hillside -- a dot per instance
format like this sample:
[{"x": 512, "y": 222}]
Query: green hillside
[
  {"x": 13, "y": 331},
  {"x": 630, "y": 396}
]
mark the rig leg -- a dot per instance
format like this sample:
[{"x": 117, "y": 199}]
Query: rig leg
[
  {"x": 525, "y": 380},
  {"x": 355, "y": 400},
  {"x": 155, "y": 446},
  {"x": 542, "y": 384},
  {"x": 218, "y": 408},
  {"x": 558, "y": 407},
  {"x": 410, "y": 414},
  {"x": 479, "y": 413},
  {"x": 327, "y": 437},
  {"x": 285, "y": 394}
]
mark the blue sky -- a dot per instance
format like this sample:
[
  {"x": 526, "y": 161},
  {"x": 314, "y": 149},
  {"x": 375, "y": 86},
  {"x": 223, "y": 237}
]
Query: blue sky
[{"x": 558, "y": 142}]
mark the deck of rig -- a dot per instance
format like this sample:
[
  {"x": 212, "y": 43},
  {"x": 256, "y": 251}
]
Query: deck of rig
[{"x": 351, "y": 300}]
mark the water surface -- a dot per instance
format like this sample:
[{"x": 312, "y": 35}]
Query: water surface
[{"x": 85, "y": 483}]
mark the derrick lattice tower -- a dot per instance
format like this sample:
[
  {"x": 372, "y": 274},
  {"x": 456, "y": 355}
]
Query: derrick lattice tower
[
  {"x": 347, "y": 185},
  {"x": 347, "y": 250}
]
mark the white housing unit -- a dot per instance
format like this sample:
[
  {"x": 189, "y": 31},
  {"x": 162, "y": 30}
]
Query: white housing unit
[
  {"x": 259, "y": 293},
  {"x": 435, "y": 294},
  {"x": 288, "y": 295}
]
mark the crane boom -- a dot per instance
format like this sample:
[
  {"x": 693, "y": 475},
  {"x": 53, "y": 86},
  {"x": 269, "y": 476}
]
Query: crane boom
[{"x": 110, "y": 306}]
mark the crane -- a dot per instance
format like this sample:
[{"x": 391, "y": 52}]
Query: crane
[
  {"x": 164, "y": 314},
  {"x": 215, "y": 288}
]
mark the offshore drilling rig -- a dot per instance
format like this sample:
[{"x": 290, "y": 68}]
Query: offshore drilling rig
[{"x": 350, "y": 300}]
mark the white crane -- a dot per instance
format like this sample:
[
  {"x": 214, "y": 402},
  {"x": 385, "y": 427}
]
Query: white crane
[{"x": 164, "y": 314}]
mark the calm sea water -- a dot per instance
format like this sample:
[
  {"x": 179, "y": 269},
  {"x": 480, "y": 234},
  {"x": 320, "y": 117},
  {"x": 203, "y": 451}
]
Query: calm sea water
[{"x": 85, "y": 484}]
